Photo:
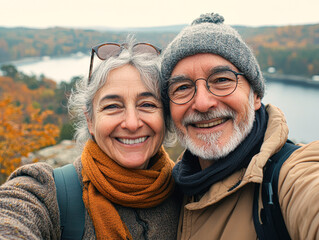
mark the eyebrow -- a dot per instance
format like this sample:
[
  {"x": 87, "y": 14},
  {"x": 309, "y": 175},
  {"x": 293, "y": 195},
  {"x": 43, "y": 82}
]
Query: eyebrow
[
  {"x": 147, "y": 94},
  {"x": 115, "y": 96},
  {"x": 109, "y": 97},
  {"x": 177, "y": 78},
  {"x": 220, "y": 69},
  {"x": 211, "y": 71}
]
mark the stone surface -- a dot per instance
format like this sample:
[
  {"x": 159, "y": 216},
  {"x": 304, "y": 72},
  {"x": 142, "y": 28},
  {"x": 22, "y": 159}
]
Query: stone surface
[{"x": 58, "y": 155}]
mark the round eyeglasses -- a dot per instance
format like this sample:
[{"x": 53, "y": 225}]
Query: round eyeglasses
[{"x": 221, "y": 83}]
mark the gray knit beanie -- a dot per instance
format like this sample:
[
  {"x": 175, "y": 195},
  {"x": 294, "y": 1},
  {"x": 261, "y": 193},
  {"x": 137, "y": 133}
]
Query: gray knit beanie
[{"x": 208, "y": 34}]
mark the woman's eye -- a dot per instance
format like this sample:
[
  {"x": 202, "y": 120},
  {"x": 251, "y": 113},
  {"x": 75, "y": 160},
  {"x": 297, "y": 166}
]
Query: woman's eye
[
  {"x": 111, "y": 107},
  {"x": 148, "y": 105}
]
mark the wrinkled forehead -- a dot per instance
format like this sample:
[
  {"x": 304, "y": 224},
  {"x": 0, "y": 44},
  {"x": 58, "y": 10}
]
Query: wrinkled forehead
[{"x": 201, "y": 64}]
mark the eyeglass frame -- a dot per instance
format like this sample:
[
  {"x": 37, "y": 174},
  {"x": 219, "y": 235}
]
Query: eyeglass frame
[
  {"x": 121, "y": 46},
  {"x": 207, "y": 87}
]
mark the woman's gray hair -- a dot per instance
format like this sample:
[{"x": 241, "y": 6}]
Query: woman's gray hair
[{"x": 80, "y": 102}]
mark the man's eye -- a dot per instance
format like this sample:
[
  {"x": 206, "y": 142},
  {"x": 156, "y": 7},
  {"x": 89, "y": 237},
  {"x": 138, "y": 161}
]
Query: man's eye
[
  {"x": 183, "y": 87},
  {"x": 222, "y": 82},
  {"x": 180, "y": 87}
]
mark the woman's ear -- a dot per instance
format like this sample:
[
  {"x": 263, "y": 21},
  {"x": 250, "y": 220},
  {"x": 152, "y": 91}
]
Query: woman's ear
[{"x": 89, "y": 122}]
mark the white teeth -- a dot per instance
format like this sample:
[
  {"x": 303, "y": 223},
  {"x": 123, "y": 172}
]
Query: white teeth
[
  {"x": 211, "y": 124},
  {"x": 132, "y": 141}
]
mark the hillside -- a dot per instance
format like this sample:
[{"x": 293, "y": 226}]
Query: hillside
[
  {"x": 17, "y": 43},
  {"x": 33, "y": 112},
  {"x": 290, "y": 49},
  {"x": 36, "y": 106}
]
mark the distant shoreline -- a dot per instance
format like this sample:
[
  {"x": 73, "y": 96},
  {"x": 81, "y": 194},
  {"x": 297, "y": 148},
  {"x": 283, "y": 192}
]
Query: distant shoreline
[
  {"x": 291, "y": 79},
  {"x": 270, "y": 77}
]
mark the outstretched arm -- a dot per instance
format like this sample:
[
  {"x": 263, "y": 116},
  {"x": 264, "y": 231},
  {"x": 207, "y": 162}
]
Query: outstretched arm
[
  {"x": 28, "y": 204},
  {"x": 299, "y": 192}
]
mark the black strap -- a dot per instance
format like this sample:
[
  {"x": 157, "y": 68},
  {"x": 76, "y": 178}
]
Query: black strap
[
  {"x": 69, "y": 194},
  {"x": 273, "y": 225}
]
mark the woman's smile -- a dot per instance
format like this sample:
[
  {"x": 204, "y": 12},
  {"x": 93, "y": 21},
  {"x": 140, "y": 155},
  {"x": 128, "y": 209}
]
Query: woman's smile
[
  {"x": 128, "y": 122},
  {"x": 132, "y": 141}
]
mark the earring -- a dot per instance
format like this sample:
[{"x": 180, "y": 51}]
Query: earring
[{"x": 93, "y": 138}]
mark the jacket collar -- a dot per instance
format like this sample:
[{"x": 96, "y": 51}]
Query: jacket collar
[{"x": 275, "y": 137}]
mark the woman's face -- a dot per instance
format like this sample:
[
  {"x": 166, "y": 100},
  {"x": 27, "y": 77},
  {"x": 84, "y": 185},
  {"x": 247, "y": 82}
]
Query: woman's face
[{"x": 127, "y": 121}]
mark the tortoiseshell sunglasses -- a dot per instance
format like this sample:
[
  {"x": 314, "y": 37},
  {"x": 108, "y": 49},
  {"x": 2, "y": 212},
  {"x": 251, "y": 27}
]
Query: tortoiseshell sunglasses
[{"x": 107, "y": 50}]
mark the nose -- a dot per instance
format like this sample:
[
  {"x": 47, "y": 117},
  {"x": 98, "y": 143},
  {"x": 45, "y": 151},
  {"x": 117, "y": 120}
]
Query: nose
[
  {"x": 203, "y": 99},
  {"x": 132, "y": 121}
]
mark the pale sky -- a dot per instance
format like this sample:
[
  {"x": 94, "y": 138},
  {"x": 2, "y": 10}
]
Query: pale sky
[{"x": 149, "y": 13}]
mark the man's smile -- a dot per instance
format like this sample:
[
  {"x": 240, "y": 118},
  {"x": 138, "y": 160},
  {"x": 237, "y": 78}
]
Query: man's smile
[{"x": 210, "y": 124}]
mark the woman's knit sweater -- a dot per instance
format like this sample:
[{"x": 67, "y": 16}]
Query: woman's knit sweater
[{"x": 29, "y": 209}]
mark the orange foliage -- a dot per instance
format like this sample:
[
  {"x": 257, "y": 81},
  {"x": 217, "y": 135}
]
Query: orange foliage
[
  {"x": 286, "y": 37},
  {"x": 15, "y": 90},
  {"x": 18, "y": 138}
]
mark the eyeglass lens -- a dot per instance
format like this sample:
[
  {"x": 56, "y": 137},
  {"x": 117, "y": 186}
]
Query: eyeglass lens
[
  {"x": 110, "y": 50},
  {"x": 145, "y": 48},
  {"x": 221, "y": 83}
]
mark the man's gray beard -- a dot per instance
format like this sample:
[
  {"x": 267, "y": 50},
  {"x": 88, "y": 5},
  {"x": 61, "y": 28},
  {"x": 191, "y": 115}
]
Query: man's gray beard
[{"x": 210, "y": 150}]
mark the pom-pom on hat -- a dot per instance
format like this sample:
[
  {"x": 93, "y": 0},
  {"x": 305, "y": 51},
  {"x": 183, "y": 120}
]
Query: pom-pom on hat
[{"x": 209, "y": 34}]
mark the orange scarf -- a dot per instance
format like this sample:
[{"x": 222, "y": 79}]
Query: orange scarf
[{"x": 106, "y": 182}]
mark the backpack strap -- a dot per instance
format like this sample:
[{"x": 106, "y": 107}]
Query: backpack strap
[
  {"x": 69, "y": 195},
  {"x": 273, "y": 225}
]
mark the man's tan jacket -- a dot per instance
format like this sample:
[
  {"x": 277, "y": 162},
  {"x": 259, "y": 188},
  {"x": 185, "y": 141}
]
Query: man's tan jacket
[{"x": 224, "y": 212}]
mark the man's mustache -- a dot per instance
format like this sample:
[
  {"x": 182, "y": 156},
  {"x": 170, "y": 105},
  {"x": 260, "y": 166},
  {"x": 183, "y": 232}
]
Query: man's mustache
[{"x": 211, "y": 114}]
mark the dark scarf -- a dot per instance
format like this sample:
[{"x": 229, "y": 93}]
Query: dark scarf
[{"x": 192, "y": 180}]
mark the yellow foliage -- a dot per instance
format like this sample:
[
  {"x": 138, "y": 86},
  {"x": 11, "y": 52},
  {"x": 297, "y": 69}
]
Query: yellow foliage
[{"x": 18, "y": 138}]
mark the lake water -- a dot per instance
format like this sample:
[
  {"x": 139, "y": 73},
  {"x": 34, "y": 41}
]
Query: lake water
[
  {"x": 58, "y": 69},
  {"x": 300, "y": 104}
]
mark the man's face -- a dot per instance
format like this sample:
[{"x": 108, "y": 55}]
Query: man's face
[{"x": 211, "y": 126}]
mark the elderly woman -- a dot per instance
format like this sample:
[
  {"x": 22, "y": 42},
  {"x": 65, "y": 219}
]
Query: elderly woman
[{"x": 124, "y": 171}]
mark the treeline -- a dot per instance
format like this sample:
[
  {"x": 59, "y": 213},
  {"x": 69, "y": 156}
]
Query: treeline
[
  {"x": 290, "y": 49},
  {"x": 17, "y": 43},
  {"x": 33, "y": 115},
  {"x": 38, "y": 92}
]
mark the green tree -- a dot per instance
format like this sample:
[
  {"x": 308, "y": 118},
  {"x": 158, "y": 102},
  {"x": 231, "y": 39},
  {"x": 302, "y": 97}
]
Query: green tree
[{"x": 9, "y": 71}]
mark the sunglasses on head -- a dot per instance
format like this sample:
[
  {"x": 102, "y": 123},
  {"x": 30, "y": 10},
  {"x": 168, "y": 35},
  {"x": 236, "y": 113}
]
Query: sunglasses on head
[{"x": 107, "y": 50}]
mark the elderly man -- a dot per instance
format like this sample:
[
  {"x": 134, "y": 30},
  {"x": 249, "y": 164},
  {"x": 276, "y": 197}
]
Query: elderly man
[{"x": 212, "y": 89}]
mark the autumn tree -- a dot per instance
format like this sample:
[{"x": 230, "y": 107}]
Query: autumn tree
[{"x": 18, "y": 138}]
